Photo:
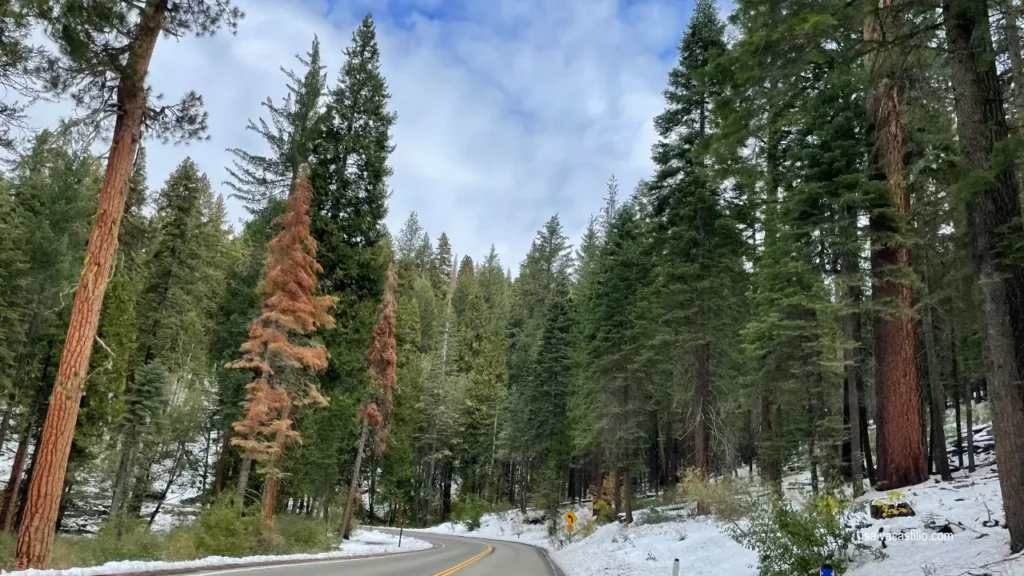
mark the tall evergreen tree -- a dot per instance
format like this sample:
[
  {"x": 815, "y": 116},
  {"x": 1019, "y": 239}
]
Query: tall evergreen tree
[
  {"x": 290, "y": 133},
  {"x": 701, "y": 248},
  {"x": 348, "y": 173}
]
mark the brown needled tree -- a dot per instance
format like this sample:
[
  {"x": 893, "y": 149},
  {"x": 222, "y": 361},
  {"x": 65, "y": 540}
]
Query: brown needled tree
[
  {"x": 374, "y": 415},
  {"x": 279, "y": 350},
  {"x": 108, "y": 49}
]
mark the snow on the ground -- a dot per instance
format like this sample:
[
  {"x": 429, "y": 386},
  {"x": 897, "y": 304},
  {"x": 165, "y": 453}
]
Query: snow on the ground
[
  {"x": 969, "y": 505},
  {"x": 701, "y": 544},
  {"x": 363, "y": 543}
]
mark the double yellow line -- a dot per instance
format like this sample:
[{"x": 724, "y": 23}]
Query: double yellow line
[{"x": 458, "y": 567}]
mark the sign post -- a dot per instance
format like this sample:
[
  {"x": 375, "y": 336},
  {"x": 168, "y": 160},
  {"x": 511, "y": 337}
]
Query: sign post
[
  {"x": 570, "y": 520},
  {"x": 675, "y": 567}
]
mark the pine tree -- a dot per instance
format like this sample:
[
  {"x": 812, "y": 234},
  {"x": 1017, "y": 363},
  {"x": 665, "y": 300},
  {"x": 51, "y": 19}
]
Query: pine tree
[
  {"x": 109, "y": 53},
  {"x": 441, "y": 267},
  {"x": 382, "y": 359},
  {"x": 408, "y": 243},
  {"x": 547, "y": 267},
  {"x": 238, "y": 305},
  {"x": 279, "y": 349},
  {"x": 348, "y": 173},
  {"x": 144, "y": 403},
  {"x": 615, "y": 406},
  {"x": 548, "y": 396},
  {"x": 700, "y": 245},
  {"x": 289, "y": 133}
]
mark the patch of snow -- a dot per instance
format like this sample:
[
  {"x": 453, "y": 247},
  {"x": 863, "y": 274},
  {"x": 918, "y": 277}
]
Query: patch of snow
[
  {"x": 363, "y": 543},
  {"x": 971, "y": 505}
]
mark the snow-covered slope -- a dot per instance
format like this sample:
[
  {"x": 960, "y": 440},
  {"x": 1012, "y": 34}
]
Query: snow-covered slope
[{"x": 970, "y": 507}]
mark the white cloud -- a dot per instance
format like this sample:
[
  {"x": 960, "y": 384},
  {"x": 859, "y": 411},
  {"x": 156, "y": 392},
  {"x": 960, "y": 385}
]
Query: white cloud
[{"x": 509, "y": 110}]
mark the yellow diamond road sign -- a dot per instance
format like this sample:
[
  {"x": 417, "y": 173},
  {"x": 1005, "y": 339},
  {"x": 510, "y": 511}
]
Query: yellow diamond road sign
[{"x": 570, "y": 518}]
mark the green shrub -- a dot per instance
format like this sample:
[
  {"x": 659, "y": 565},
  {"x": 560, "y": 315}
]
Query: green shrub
[
  {"x": 469, "y": 510},
  {"x": 221, "y": 531},
  {"x": 798, "y": 540},
  {"x": 604, "y": 511},
  {"x": 303, "y": 534},
  {"x": 723, "y": 498},
  {"x": 136, "y": 542}
]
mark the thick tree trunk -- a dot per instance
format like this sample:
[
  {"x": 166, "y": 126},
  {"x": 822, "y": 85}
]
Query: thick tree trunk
[
  {"x": 901, "y": 452},
  {"x": 353, "y": 487},
  {"x": 10, "y": 504},
  {"x": 43, "y": 502},
  {"x": 992, "y": 213}
]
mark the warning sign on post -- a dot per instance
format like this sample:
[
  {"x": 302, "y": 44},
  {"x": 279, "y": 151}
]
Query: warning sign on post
[{"x": 570, "y": 519}]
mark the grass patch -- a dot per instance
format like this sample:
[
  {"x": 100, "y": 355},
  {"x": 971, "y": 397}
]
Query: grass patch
[{"x": 219, "y": 531}]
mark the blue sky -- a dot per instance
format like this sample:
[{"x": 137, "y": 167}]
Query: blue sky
[{"x": 509, "y": 111}]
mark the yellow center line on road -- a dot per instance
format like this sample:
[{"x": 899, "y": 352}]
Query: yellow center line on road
[{"x": 458, "y": 567}]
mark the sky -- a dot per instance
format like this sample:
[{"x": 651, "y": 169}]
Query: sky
[{"x": 509, "y": 111}]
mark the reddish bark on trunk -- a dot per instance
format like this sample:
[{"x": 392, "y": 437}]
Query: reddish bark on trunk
[
  {"x": 43, "y": 500},
  {"x": 901, "y": 452}
]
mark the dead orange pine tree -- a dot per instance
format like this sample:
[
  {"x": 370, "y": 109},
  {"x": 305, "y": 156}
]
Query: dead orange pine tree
[
  {"x": 382, "y": 359},
  {"x": 279, "y": 350}
]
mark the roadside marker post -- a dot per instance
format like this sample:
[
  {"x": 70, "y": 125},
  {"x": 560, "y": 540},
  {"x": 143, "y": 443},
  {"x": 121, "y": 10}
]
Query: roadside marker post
[
  {"x": 826, "y": 570},
  {"x": 401, "y": 525},
  {"x": 675, "y": 567}
]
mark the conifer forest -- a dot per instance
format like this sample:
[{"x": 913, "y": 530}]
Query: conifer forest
[{"x": 824, "y": 266}]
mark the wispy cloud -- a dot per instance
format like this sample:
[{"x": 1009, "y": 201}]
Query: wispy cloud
[{"x": 509, "y": 110}]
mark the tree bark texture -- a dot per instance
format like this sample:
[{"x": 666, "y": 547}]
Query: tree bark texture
[
  {"x": 43, "y": 501},
  {"x": 992, "y": 213},
  {"x": 901, "y": 452}
]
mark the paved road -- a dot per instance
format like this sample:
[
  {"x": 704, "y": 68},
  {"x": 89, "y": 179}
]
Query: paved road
[{"x": 506, "y": 559}]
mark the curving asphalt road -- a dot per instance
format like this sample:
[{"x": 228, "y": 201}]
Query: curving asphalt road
[{"x": 451, "y": 556}]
